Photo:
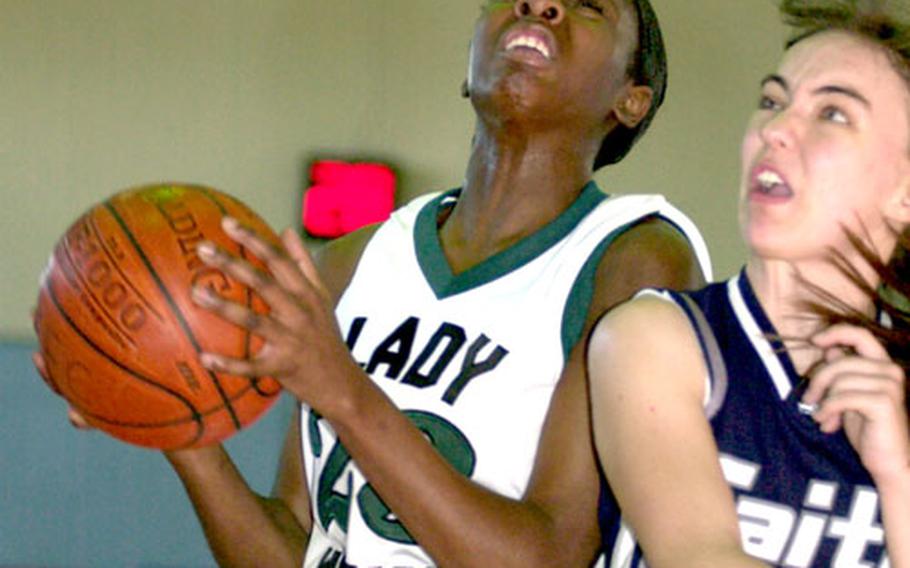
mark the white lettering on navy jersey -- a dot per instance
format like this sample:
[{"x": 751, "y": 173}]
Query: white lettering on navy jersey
[{"x": 782, "y": 535}]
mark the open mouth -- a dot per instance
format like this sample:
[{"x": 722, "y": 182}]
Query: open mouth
[
  {"x": 531, "y": 42},
  {"x": 524, "y": 41},
  {"x": 771, "y": 184}
]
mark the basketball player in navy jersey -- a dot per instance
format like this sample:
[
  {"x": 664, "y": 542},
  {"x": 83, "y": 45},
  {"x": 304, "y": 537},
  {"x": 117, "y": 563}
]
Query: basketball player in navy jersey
[
  {"x": 735, "y": 425},
  {"x": 463, "y": 314}
]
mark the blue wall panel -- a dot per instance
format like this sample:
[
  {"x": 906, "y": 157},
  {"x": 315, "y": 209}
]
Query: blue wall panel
[{"x": 73, "y": 498}]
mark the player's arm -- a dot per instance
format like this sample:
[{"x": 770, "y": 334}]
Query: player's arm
[
  {"x": 647, "y": 377},
  {"x": 565, "y": 483},
  {"x": 895, "y": 498},
  {"x": 242, "y": 527},
  {"x": 894, "y": 492}
]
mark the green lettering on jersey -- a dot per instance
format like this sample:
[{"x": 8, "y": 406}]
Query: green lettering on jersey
[
  {"x": 454, "y": 447},
  {"x": 315, "y": 437},
  {"x": 334, "y": 505}
]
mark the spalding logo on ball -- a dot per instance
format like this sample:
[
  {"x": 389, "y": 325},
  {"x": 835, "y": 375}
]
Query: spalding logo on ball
[{"x": 118, "y": 329}]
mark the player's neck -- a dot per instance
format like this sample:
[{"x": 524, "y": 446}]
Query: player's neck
[
  {"x": 518, "y": 181},
  {"x": 785, "y": 290},
  {"x": 514, "y": 186},
  {"x": 535, "y": 158}
]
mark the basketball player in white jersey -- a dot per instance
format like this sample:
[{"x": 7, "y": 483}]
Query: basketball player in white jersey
[
  {"x": 736, "y": 426},
  {"x": 432, "y": 353}
]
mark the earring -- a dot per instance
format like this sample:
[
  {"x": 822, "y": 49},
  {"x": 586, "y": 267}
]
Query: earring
[{"x": 465, "y": 93}]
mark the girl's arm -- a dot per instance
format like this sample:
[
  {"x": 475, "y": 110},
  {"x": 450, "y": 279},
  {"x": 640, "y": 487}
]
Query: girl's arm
[{"x": 647, "y": 380}]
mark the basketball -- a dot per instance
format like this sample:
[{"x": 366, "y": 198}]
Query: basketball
[{"x": 120, "y": 334}]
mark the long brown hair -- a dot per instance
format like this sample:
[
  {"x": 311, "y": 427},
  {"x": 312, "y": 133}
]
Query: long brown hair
[
  {"x": 891, "y": 295},
  {"x": 890, "y": 323}
]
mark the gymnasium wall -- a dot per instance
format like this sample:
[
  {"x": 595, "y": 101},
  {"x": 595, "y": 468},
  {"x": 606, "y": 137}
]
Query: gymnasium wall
[{"x": 99, "y": 95}]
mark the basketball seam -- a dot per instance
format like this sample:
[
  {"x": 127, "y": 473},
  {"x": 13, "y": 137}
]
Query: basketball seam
[
  {"x": 175, "y": 310},
  {"x": 195, "y": 415}
]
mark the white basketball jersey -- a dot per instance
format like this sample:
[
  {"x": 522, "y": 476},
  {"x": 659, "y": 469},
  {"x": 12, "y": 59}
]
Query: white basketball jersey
[{"x": 471, "y": 358}]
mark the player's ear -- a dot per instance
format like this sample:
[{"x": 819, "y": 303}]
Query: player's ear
[{"x": 633, "y": 105}]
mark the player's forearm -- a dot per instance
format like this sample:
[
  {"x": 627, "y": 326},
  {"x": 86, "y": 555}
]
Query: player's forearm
[
  {"x": 895, "y": 500},
  {"x": 457, "y": 522},
  {"x": 728, "y": 557},
  {"x": 241, "y": 527}
]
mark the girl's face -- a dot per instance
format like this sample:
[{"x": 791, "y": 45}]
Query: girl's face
[
  {"x": 552, "y": 60},
  {"x": 827, "y": 148}
]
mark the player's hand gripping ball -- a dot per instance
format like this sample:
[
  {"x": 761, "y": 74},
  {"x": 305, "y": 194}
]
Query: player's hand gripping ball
[{"x": 120, "y": 334}]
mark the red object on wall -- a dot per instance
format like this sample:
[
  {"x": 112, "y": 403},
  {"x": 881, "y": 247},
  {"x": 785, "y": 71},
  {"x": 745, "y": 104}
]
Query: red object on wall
[{"x": 346, "y": 196}]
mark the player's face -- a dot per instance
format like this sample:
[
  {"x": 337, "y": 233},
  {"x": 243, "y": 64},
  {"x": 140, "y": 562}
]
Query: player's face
[
  {"x": 827, "y": 147},
  {"x": 551, "y": 59}
]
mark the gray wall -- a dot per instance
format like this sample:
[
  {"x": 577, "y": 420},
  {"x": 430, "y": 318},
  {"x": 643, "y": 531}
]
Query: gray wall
[{"x": 98, "y": 95}]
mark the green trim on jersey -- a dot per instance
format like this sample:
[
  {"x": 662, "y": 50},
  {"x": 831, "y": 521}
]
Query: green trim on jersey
[
  {"x": 578, "y": 302},
  {"x": 436, "y": 268}
]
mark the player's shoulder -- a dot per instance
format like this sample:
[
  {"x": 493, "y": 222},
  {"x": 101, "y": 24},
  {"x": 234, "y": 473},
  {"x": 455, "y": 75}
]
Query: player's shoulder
[
  {"x": 336, "y": 260},
  {"x": 652, "y": 314},
  {"x": 655, "y": 236},
  {"x": 653, "y": 253},
  {"x": 650, "y": 333}
]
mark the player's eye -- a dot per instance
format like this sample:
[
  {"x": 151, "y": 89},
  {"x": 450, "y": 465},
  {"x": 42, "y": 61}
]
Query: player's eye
[
  {"x": 595, "y": 5},
  {"x": 832, "y": 113},
  {"x": 767, "y": 102}
]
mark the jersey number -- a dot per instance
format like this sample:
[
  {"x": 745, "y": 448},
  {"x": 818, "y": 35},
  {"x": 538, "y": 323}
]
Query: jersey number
[{"x": 333, "y": 494}]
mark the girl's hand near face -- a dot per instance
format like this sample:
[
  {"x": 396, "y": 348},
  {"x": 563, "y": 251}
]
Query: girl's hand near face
[{"x": 860, "y": 389}]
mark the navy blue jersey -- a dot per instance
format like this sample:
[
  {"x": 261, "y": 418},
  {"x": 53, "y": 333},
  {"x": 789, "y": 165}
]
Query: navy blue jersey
[{"x": 802, "y": 496}]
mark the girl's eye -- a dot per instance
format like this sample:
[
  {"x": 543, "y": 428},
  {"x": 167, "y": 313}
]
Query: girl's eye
[
  {"x": 834, "y": 114},
  {"x": 766, "y": 102}
]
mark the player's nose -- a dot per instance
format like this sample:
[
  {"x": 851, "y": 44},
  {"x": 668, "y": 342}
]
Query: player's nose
[{"x": 553, "y": 11}]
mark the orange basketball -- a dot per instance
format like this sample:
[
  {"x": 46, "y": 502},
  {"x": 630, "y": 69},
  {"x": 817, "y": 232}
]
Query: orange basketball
[{"x": 120, "y": 334}]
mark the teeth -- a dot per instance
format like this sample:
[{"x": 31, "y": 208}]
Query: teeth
[
  {"x": 769, "y": 179},
  {"x": 531, "y": 43}
]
